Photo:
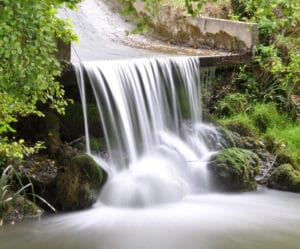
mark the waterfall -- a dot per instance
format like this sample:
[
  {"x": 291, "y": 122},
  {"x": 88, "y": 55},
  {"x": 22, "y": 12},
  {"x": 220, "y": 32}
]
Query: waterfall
[{"x": 150, "y": 112}]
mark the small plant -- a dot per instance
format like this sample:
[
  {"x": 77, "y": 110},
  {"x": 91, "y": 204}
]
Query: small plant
[
  {"x": 4, "y": 188},
  {"x": 266, "y": 116},
  {"x": 16, "y": 201},
  {"x": 232, "y": 104}
]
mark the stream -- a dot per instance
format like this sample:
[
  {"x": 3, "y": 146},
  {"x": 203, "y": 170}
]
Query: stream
[{"x": 265, "y": 219}]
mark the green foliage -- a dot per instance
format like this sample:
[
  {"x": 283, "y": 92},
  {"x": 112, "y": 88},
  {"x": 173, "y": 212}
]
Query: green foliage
[
  {"x": 13, "y": 152},
  {"x": 264, "y": 121},
  {"x": 289, "y": 136},
  {"x": 241, "y": 123},
  {"x": 232, "y": 104},
  {"x": 150, "y": 8},
  {"x": 274, "y": 75},
  {"x": 266, "y": 116},
  {"x": 4, "y": 188},
  {"x": 28, "y": 66},
  {"x": 7, "y": 194}
]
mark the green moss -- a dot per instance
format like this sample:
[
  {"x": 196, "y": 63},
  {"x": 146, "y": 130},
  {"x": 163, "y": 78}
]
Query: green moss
[
  {"x": 271, "y": 143},
  {"x": 285, "y": 177},
  {"x": 240, "y": 124},
  {"x": 284, "y": 157},
  {"x": 79, "y": 185},
  {"x": 183, "y": 102},
  {"x": 234, "y": 170},
  {"x": 97, "y": 144}
]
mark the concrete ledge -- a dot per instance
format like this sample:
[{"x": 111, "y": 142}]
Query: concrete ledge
[{"x": 224, "y": 60}]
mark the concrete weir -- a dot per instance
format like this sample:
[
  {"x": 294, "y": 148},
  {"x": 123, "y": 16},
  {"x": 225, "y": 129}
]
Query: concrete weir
[{"x": 102, "y": 34}]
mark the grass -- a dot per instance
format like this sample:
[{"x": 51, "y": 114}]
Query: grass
[
  {"x": 265, "y": 120},
  {"x": 289, "y": 135}
]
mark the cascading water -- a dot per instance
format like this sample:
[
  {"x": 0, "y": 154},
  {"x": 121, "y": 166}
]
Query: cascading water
[{"x": 155, "y": 154}]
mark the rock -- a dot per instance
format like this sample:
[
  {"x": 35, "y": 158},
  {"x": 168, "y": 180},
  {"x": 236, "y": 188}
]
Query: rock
[
  {"x": 284, "y": 157},
  {"x": 78, "y": 186},
  {"x": 40, "y": 170},
  {"x": 285, "y": 177},
  {"x": 234, "y": 170},
  {"x": 241, "y": 127},
  {"x": 227, "y": 137},
  {"x": 18, "y": 209}
]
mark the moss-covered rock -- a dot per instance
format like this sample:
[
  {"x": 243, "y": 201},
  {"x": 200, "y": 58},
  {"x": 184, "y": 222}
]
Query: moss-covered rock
[
  {"x": 78, "y": 186},
  {"x": 234, "y": 170},
  {"x": 284, "y": 157},
  {"x": 285, "y": 177},
  {"x": 241, "y": 127}
]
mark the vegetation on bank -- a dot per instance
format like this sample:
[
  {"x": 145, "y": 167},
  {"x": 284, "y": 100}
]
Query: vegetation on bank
[
  {"x": 265, "y": 94},
  {"x": 28, "y": 70}
]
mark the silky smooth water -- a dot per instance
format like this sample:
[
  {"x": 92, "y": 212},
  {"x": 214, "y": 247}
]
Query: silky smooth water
[
  {"x": 263, "y": 220},
  {"x": 155, "y": 155}
]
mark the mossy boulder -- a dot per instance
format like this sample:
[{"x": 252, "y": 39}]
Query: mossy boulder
[
  {"x": 234, "y": 170},
  {"x": 79, "y": 185},
  {"x": 241, "y": 127},
  {"x": 285, "y": 177},
  {"x": 284, "y": 157}
]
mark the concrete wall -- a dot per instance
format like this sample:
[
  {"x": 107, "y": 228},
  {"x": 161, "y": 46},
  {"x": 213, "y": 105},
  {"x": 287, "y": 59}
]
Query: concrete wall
[
  {"x": 202, "y": 32},
  {"x": 246, "y": 33}
]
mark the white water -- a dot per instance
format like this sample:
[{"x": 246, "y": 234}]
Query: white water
[{"x": 154, "y": 155}]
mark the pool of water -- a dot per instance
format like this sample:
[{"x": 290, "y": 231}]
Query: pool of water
[{"x": 264, "y": 219}]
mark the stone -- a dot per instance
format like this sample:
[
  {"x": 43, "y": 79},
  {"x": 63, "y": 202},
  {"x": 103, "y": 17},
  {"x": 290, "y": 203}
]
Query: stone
[
  {"x": 234, "y": 169},
  {"x": 285, "y": 177},
  {"x": 78, "y": 186}
]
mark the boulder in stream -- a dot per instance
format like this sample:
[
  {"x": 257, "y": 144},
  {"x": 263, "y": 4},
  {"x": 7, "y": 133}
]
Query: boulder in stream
[
  {"x": 234, "y": 169},
  {"x": 77, "y": 187},
  {"x": 285, "y": 177}
]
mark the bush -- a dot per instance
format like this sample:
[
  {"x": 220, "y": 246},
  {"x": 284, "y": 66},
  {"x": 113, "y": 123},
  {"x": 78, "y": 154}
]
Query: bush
[{"x": 28, "y": 66}]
